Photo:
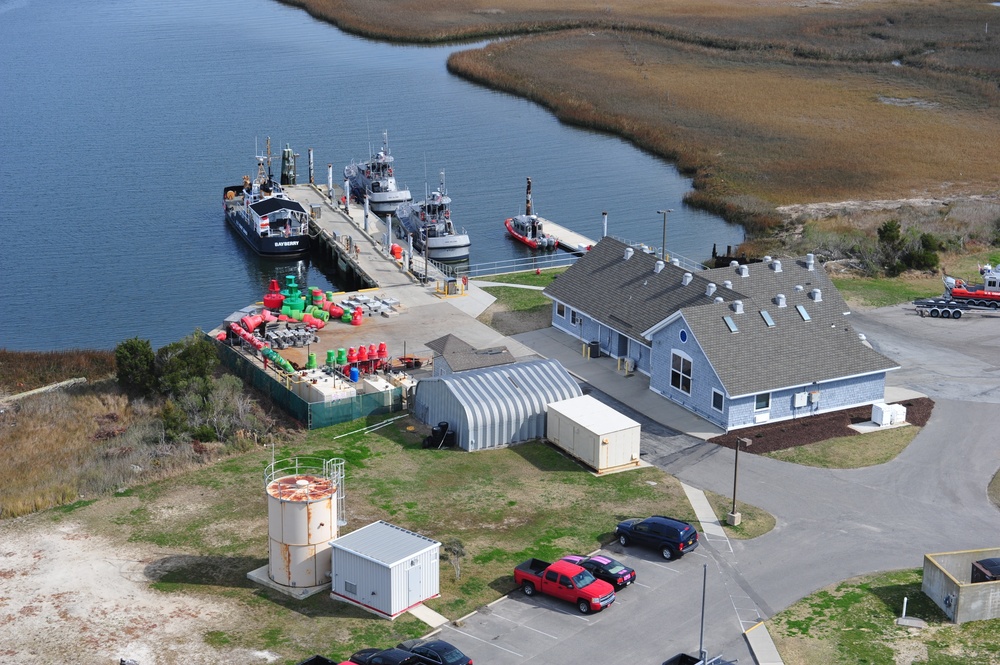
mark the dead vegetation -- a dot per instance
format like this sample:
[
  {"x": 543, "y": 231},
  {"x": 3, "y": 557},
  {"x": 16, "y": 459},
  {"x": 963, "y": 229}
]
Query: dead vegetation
[{"x": 767, "y": 103}]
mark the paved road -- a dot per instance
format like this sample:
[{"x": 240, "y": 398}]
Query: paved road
[{"x": 831, "y": 524}]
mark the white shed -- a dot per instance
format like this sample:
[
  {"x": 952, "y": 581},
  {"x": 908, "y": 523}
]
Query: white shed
[
  {"x": 385, "y": 569},
  {"x": 594, "y": 433}
]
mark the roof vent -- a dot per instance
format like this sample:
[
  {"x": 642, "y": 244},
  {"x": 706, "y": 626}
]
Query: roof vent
[
  {"x": 767, "y": 259},
  {"x": 816, "y": 295},
  {"x": 779, "y": 300},
  {"x": 728, "y": 283},
  {"x": 658, "y": 267},
  {"x": 744, "y": 270},
  {"x": 718, "y": 299},
  {"x": 686, "y": 279},
  {"x": 799, "y": 287},
  {"x": 862, "y": 337},
  {"x": 733, "y": 264},
  {"x": 776, "y": 266},
  {"x": 738, "y": 306},
  {"x": 675, "y": 262},
  {"x": 628, "y": 253},
  {"x": 810, "y": 261},
  {"x": 710, "y": 289}
]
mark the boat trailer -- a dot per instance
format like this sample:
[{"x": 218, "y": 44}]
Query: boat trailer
[{"x": 945, "y": 308}]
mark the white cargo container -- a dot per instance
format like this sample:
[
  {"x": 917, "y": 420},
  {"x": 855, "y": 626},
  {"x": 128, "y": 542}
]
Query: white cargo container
[
  {"x": 593, "y": 433},
  {"x": 385, "y": 569}
]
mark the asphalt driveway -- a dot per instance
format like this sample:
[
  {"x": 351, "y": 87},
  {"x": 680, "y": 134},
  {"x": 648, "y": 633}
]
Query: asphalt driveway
[{"x": 831, "y": 524}]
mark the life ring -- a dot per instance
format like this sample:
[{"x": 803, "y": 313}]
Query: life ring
[
  {"x": 390, "y": 170},
  {"x": 465, "y": 280}
]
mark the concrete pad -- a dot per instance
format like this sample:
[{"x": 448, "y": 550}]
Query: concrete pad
[
  {"x": 428, "y": 616},
  {"x": 896, "y": 394},
  {"x": 872, "y": 426},
  {"x": 911, "y": 622},
  {"x": 710, "y": 524},
  {"x": 762, "y": 646},
  {"x": 261, "y": 576}
]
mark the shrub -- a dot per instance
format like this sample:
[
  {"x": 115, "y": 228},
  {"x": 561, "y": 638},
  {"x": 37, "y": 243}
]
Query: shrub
[
  {"x": 135, "y": 360},
  {"x": 186, "y": 364}
]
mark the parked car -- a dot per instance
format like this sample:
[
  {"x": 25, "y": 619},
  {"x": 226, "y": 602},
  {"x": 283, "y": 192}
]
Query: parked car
[
  {"x": 673, "y": 538},
  {"x": 435, "y": 652},
  {"x": 564, "y": 580},
  {"x": 385, "y": 657},
  {"x": 612, "y": 571}
]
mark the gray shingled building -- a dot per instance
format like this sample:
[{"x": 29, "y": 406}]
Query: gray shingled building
[{"x": 740, "y": 345}]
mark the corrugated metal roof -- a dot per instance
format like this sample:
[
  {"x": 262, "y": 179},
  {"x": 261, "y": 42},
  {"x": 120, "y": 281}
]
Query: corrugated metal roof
[
  {"x": 511, "y": 392},
  {"x": 594, "y": 415},
  {"x": 385, "y": 543}
]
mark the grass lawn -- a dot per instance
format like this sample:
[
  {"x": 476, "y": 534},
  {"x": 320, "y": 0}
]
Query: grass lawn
[
  {"x": 854, "y": 622},
  {"x": 850, "y": 452},
  {"x": 503, "y": 506}
]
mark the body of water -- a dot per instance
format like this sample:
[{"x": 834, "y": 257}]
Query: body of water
[{"x": 122, "y": 121}]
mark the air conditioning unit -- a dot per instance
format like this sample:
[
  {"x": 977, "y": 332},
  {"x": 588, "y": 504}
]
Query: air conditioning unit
[
  {"x": 761, "y": 418},
  {"x": 799, "y": 400}
]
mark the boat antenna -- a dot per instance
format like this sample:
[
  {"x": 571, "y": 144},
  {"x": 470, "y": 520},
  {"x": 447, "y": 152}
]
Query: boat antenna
[{"x": 527, "y": 200}]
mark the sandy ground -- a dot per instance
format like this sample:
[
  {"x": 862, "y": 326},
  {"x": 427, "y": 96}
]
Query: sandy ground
[{"x": 70, "y": 597}]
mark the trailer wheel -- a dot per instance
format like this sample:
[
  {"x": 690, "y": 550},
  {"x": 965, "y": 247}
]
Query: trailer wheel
[
  {"x": 957, "y": 314},
  {"x": 935, "y": 313},
  {"x": 993, "y": 305},
  {"x": 945, "y": 313},
  {"x": 528, "y": 588}
]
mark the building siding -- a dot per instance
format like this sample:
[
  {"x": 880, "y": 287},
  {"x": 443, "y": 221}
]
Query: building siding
[
  {"x": 703, "y": 377},
  {"x": 833, "y": 396}
]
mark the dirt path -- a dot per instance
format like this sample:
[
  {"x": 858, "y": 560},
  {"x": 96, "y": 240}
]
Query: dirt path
[{"x": 70, "y": 597}]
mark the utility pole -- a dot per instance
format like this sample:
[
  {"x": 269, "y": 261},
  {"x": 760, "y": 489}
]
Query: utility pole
[
  {"x": 734, "y": 518},
  {"x": 663, "y": 248}
]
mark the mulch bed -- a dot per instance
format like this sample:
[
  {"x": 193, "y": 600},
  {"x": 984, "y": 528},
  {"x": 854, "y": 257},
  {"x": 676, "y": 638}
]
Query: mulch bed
[{"x": 812, "y": 429}]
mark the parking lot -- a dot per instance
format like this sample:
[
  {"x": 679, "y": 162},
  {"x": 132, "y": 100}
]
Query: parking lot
[{"x": 651, "y": 620}]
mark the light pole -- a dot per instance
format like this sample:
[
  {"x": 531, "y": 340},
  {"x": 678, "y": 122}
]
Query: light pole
[
  {"x": 734, "y": 517},
  {"x": 663, "y": 249}
]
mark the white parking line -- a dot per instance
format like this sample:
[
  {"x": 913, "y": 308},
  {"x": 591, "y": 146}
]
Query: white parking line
[
  {"x": 644, "y": 586},
  {"x": 673, "y": 570},
  {"x": 484, "y": 641}
]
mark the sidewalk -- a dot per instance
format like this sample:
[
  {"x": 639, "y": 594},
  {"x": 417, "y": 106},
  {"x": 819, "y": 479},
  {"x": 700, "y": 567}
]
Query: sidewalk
[{"x": 603, "y": 374}]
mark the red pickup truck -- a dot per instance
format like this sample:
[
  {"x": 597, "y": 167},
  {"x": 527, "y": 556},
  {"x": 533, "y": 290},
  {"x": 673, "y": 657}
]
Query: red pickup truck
[{"x": 564, "y": 580}]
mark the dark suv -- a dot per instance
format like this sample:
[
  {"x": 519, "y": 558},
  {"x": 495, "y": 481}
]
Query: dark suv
[{"x": 673, "y": 538}]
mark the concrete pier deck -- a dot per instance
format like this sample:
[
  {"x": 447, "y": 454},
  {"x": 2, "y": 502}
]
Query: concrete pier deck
[{"x": 570, "y": 241}]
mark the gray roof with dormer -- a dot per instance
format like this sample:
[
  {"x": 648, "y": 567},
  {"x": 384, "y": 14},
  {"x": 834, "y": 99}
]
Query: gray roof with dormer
[
  {"x": 627, "y": 294},
  {"x": 793, "y": 352}
]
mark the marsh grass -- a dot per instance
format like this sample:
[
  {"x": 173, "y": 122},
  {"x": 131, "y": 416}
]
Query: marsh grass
[
  {"x": 763, "y": 104},
  {"x": 21, "y": 371}
]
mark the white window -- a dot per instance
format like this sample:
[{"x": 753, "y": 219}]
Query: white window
[
  {"x": 574, "y": 319},
  {"x": 561, "y": 310},
  {"x": 717, "y": 400},
  {"x": 680, "y": 372},
  {"x": 762, "y": 402}
]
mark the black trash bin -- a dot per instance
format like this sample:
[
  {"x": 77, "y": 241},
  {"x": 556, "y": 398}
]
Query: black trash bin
[{"x": 595, "y": 349}]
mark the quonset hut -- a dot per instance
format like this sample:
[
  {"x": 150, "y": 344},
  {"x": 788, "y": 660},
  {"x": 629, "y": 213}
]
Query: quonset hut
[{"x": 494, "y": 406}]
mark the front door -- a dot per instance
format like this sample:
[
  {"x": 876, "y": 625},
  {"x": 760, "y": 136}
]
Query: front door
[{"x": 413, "y": 586}]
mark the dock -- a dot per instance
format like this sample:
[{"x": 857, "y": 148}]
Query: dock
[{"x": 569, "y": 241}]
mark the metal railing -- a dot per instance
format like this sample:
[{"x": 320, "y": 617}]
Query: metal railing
[{"x": 558, "y": 259}]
